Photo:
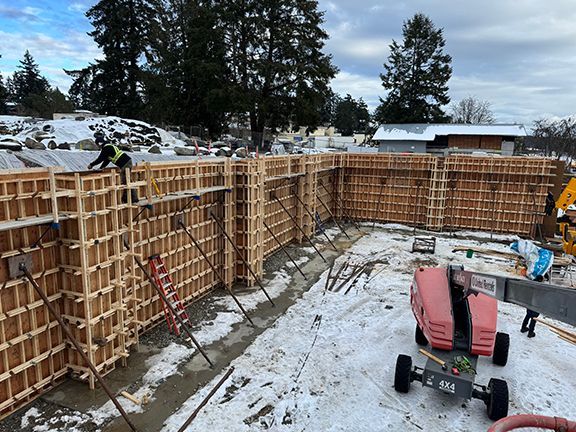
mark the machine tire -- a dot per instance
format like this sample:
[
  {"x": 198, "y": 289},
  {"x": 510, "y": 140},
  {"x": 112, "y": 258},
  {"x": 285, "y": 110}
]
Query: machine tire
[
  {"x": 420, "y": 337},
  {"x": 501, "y": 347},
  {"x": 403, "y": 374},
  {"x": 497, "y": 405}
]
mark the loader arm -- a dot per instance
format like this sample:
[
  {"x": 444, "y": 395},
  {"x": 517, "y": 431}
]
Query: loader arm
[
  {"x": 554, "y": 301},
  {"x": 568, "y": 196}
]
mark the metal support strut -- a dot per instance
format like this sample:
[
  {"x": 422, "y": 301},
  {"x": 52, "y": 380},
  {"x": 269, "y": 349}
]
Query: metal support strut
[
  {"x": 173, "y": 310},
  {"x": 382, "y": 185},
  {"x": 256, "y": 278},
  {"x": 22, "y": 267},
  {"x": 339, "y": 204},
  {"x": 206, "y": 400},
  {"x": 284, "y": 249},
  {"x": 216, "y": 272},
  {"x": 298, "y": 226},
  {"x": 332, "y": 216},
  {"x": 313, "y": 218}
]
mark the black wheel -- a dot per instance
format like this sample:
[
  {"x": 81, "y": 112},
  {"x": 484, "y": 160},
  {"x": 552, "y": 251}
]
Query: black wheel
[
  {"x": 501, "y": 347},
  {"x": 402, "y": 376},
  {"x": 420, "y": 336},
  {"x": 497, "y": 406}
]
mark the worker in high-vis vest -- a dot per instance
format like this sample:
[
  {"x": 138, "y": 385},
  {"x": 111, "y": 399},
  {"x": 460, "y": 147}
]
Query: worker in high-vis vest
[{"x": 111, "y": 153}]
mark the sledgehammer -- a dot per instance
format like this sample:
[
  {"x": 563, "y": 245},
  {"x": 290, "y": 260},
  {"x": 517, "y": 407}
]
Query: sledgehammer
[{"x": 434, "y": 358}]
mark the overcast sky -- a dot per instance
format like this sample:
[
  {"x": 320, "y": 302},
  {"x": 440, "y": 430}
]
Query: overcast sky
[{"x": 520, "y": 55}]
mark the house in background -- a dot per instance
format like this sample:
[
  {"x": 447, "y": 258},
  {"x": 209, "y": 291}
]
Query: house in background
[{"x": 447, "y": 138}]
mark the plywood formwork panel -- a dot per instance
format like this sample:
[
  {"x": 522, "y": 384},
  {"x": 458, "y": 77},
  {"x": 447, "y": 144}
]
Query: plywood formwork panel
[
  {"x": 250, "y": 205},
  {"x": 32, "y": 349},
  {"x": 496, "y": 194},
  {"x": 93, "y": 271},
  {"x": 193, "y": 192},
  {"x": 388, "y": 187},
  {"x": 277, "y": 219}
]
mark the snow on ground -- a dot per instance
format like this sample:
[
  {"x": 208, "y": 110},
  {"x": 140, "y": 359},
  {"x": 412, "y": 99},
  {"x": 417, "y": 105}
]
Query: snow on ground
[
  {"x": 166, "y": 363},
  {"x": 328, "y": 363},
  {"x": 72, "y": 131}
]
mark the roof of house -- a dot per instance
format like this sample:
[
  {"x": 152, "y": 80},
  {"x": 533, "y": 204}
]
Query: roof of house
[{"x": 427, "y": 132}]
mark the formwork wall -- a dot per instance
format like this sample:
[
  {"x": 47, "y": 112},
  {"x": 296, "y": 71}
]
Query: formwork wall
[
  {"x": 388, "y": 188},
  {"x": 496, "y": 194},
  {"x": 33, "y": 351},
  {"x": 88, "y": 266}
]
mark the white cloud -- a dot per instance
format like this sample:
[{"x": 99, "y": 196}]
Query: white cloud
[
  {"x": 51, "y": 54},
  {"x": 32, "y": 11},
  {"x": 78, "y": 7},
  {"x": 359, "y": 48},
  {"x": 359, "y": 86}
]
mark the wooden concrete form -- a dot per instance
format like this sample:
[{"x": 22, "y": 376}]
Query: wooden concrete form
[
  {"x": 32, "y": 348},
  {"x": 190, "y": 192},
  {"x": 93, "y": 271},
  {"x": 87, "y": 265},
  {"x": 496, "y": 194},
  {"x": 388, "y": 187}
]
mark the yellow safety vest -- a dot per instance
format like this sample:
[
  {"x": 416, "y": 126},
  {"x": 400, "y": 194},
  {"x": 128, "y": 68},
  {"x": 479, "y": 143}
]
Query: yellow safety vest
[{"x": 117, "y": 153}]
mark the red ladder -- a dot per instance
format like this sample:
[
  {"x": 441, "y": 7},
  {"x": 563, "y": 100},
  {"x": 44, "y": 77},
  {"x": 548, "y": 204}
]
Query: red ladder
[{"x": 164, "y": 281}]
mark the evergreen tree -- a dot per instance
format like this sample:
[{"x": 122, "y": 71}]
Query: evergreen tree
[
  {"x": 186, "y": 76},
  {"x": 123, "y": 29},
  {"x": 3, "y": 94},
  {"x": 416, "y": 75},
  {"x": 274, "y": 52},
  {"x": 81, "y": 91},
  {"x": 352, "y": 116},
  {"x": 328, "y": 108},
  {"x": 46, "y": 104},
  {"x": 27, "y": 80}
]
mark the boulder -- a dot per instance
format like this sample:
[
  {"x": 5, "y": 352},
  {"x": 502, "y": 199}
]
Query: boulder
[
  {"x": 241, "y": 152},
  {"x": 10, "y": 145},
  {"x": 118, "y": 135},
  {"x": 31, "y": 143},
  {"x": 185, "y": 151},
  {"x": 193, "y": 141},
  {"x": 63, "y": 146},
  {"x": 125, "y": 147},
  {"x": 52, "y": 145},
  {"x": 155, "y": 149},
  {"x": 39, "y": 136},
  {"x": 87, "y": 144}
]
